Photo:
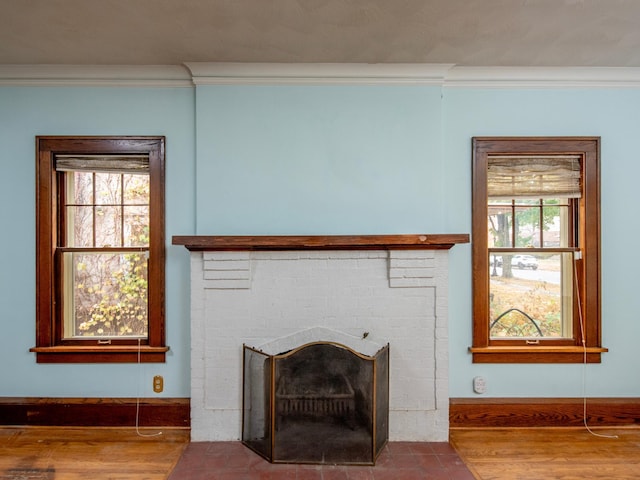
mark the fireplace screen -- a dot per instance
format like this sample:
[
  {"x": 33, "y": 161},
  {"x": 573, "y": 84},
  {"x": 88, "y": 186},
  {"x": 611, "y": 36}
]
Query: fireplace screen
[{"x": 319, "y": 403}]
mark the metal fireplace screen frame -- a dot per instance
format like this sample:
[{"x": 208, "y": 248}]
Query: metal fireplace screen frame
[{"x": 322, "y": 403}]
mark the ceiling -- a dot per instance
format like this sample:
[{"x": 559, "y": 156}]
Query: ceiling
[{"x": 461, "y": 32}]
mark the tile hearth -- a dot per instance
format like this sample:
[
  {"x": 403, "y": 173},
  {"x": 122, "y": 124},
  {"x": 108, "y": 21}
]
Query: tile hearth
[{"x": 398, "y": 461}]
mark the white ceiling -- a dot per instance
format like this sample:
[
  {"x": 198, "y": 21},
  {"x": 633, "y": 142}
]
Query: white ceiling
[{"x": 461, "y": 32}]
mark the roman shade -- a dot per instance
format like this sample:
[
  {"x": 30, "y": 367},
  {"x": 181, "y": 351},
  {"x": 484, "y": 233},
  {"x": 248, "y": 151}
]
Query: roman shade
[
  {"x": 534, "y": 177},
  {"x": 138, "y": 164}
]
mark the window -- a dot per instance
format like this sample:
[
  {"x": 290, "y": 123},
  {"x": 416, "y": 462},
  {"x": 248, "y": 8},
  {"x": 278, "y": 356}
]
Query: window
[
  {"x": 536, "y": 250},
  {"x": 100, "y": 249}
]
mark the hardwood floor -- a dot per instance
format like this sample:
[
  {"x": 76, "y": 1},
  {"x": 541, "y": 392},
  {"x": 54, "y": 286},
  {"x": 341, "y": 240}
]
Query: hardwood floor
[
  {"x": 549, "y": 453},
  {"x": 48, "y": 453},
  {"x": 63, "y": 453}
]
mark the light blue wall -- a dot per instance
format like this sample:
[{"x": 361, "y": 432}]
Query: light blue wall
[
  {"x": 26, "y": 112},
  {"x": 610, "y": 114},
  {"x": 318, "y": 160}
]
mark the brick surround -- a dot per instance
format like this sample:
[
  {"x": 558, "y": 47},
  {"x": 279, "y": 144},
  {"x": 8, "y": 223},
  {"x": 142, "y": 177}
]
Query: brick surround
[{"x": 255, "y": 297}]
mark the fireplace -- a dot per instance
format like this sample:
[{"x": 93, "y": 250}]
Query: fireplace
[
  {"x": 321, "y": 402},
  {"x": 252, "y": 290}
]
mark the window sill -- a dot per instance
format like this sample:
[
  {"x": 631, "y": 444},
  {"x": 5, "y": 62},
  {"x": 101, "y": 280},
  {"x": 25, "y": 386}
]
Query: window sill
[
  {"x": 536, "y": 354},
  {"x": 100, "y": 354}
]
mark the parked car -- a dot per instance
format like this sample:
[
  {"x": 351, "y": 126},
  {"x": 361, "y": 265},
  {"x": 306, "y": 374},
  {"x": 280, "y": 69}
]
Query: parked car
[
  {"x": 524, "y": 261},
  {"x": 495, "y": 259}
]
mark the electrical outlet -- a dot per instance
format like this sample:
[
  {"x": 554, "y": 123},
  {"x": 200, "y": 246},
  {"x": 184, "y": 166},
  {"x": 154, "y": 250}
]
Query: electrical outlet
[
  {"x": 479, "y": 385},
  {"x": 158, "y": 383}
]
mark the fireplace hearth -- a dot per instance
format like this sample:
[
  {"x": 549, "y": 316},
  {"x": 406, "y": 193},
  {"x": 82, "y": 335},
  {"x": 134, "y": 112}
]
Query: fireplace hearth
[{"x": 322, "y": 403}]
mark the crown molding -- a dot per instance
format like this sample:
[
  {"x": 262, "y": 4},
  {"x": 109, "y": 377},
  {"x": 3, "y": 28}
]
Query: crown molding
[
  {"x": 543, "y": 77},
  {"x": 95, "y": 75},
  {"x": 205, "y": 73},
  {"x": 447, "y": 75},
  {"x": 317, "y": 73}
]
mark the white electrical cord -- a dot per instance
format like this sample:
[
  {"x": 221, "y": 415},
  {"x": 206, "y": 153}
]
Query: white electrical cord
[
  {"x": 140, "y": 434},
  {"x": 584, "y": 352}
]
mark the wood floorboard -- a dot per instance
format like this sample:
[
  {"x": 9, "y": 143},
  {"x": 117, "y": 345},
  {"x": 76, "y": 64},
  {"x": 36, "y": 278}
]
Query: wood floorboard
[
  {"x": 549, "y": 453},
  {"x": 52, "y": 453},
  {"x": 48, "y": 453}
]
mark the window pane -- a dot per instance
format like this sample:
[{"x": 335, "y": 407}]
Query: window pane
[
  {"x": 530, "y": 296},
  {"x": 500, "y": 223},
  {"x": 80, "y": 226},
  {"x": 108, "y": 188},
  {"x": 81, "y": 188},
  {"x": 136, "y": 189},
  {"x": 108, "y": 226},
  {"x": 136, "y": 226},
  {"x": 527, "y": 225},
  {"x": 556, "y": 231},
  {"x": 108, "y": 295}
]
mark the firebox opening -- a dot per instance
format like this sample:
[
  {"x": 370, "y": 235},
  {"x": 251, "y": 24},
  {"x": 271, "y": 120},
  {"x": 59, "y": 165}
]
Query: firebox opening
[{"x": 319, "y": 403}]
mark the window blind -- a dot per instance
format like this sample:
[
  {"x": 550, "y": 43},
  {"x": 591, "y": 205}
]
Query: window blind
[
  {"x": 534, "y": 177},
  {"x": 138, "y": 164}
]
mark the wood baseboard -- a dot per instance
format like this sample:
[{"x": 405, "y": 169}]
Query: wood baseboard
[
  {"x": 463, "y": 412},
  {"x": 95, "y": 412},
  {"x": 543, "y": 412}
]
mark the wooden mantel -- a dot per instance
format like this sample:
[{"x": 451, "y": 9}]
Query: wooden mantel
[{"x": 321, "y": 242}]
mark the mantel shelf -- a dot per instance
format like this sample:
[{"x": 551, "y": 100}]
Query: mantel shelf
[{"x": 321, "y": 242}]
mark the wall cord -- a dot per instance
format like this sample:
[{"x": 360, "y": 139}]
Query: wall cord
[
  {"x": 584, "y": 352},
  {"x": 140, "y": 434}
]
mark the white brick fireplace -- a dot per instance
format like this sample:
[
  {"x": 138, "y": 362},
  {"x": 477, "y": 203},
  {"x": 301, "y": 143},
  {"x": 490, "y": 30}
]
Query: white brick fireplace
[{"x": 254, "y": 290}]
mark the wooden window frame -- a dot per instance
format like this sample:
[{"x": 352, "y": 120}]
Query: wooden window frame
[
  {"x": 488, "y": 350},
  {"x": 50, "y": 347}
]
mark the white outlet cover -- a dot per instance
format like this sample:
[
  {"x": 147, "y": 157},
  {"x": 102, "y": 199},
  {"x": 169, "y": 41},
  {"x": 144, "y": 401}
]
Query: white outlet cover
[{"x": 479, "y": 385}]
